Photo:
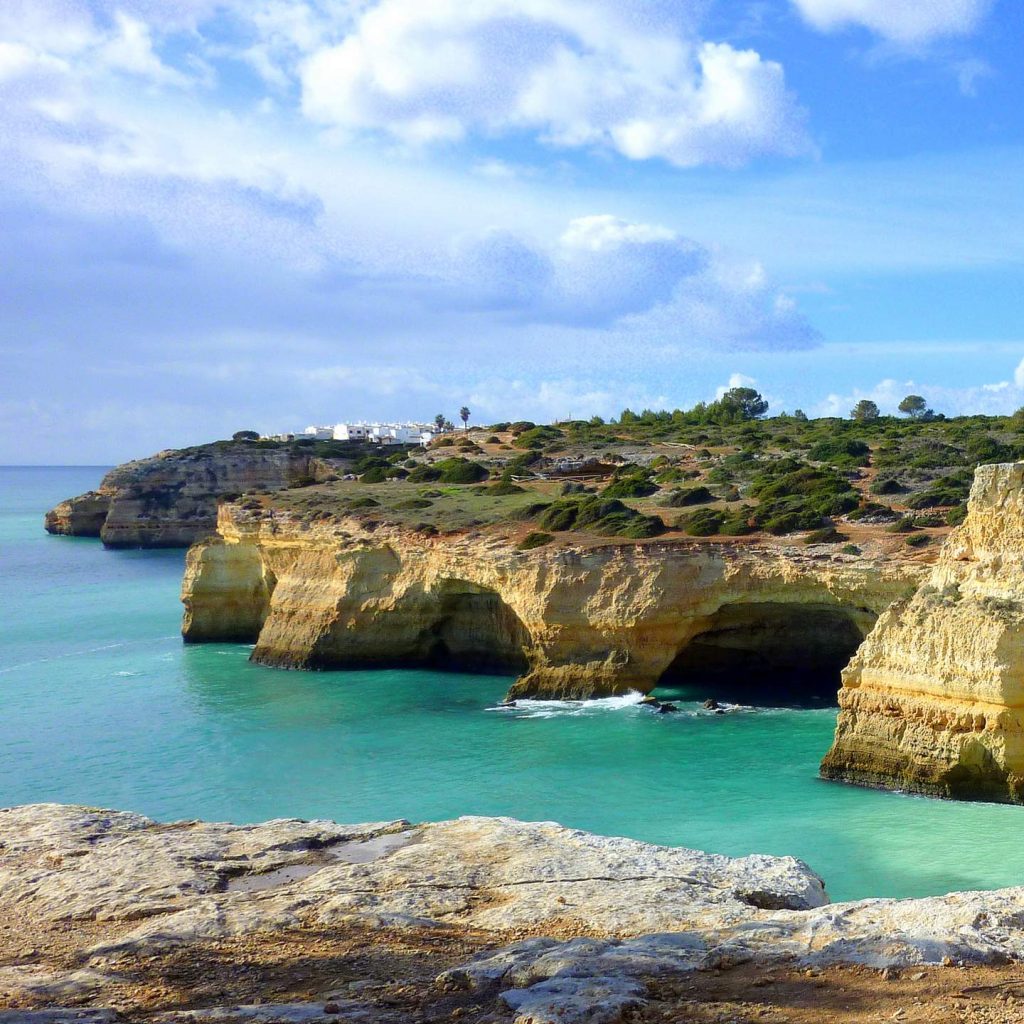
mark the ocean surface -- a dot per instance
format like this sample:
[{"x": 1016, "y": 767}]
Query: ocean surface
[{"x": 100, "y": 703}]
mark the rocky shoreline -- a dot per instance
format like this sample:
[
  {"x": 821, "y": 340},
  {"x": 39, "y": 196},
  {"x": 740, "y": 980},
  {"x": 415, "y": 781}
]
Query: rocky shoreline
[{"x": 512, "y": 921}]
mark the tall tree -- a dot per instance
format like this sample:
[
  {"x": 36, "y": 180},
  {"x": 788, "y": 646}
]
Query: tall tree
[
  {"x": 439, "y": 422},
  {"x": 865, "y": 411},
  {"x": 464, "y": 416},
  {"x": 914, "y": 406},
  {"x": 745, "y": 403}
]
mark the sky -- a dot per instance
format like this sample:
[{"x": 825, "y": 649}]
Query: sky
[{"x": 263, "y": 214}]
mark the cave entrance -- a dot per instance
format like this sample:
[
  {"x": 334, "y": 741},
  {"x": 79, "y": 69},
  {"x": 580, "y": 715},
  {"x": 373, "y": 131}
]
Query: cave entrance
[
  {"x": 476, "y": 631},
  {"x": 769, "y": 654}
]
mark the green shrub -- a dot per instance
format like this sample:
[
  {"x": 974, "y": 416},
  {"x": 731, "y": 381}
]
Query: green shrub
[
  {"x": 826, "y": 535},
  {"x": 374, "y": 475},
  {"x": 414, "y": 503},
  {"x": 956, "y": 515},
  {"x": 537, "y": 437},
  {"x": 357, "y": 503},
  {"x": 903, "y": 525},
  {"x": 918, "y": 540},
  {"x": 702, "y": 522},
  {"x": 599, "y": 515},
  {"x": 535, "y": 539},
  {"x": 638, "y": 486},
  {"x": 887, "y": 485},
  {"x": 842, "y": 452},
  {"x": 850, "y": 549},
  {"x": 449, "y": 471},
  {"x": 501, "y": 487},
  {"x": 687, "y": 496},
  {"x": 949, "y": 490}
]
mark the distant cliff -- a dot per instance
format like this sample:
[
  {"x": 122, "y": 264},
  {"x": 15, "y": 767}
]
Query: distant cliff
[
  {"x": 575, "y": 622},
  {"x": 170, "y": 499},
  {"x": 934, "y": 700}
]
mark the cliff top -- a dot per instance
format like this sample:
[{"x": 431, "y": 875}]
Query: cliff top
[{"x": 887, "y": 487}]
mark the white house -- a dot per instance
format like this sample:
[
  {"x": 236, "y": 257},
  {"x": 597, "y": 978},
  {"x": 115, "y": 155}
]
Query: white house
[{"x": 351, "y": 431}]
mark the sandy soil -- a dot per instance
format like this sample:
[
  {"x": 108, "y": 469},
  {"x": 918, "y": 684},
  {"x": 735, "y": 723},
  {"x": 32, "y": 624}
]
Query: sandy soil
[{"x": 396, "y": 970}]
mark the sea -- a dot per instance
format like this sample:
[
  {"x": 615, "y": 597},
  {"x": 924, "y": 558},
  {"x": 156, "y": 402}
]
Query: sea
[{"x": 102, "y": 704}]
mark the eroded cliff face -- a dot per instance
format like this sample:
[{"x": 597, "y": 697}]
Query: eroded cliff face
[
  {"x": 576, "y": 622},
  {"x": 170, "y": 499},
  {"x": 934, "y": 700}
]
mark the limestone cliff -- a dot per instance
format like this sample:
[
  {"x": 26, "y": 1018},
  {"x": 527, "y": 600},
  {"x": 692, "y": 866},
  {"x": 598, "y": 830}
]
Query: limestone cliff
[
  {"x": 934, "y": 700},
  {"x": 170, "y": 499},
  {"x": 573, "y": 622}
]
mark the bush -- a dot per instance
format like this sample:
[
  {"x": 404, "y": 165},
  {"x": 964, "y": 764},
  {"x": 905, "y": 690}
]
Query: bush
[
  {"x": 599, "y": 515},
  {"x": 949, "y": 490},
  {"x": 704, "y": 522},
  {"x": 374, "y": 475},
  {"x": 504, "y": 487},
  {"x": 918, "y": 540},
  {"x": 904, "y": 525},
  {"x": 357, "y": 503},
  {"x": 956, "y": 515},
  {"x": 687, "y": 496},
  {"x": 638, "y": 486},
  {"x": 850, "y": 549},
  {"x": 889, "y": 485},
  {"x": 414, "y": 503},
  {"x": 535, "y": 539},
  {"x": 450, "y": 471},
  {"x": 537, "y": 437},
  {"x": 826, "y": 535},
  {"x": 843, "y": 452}
]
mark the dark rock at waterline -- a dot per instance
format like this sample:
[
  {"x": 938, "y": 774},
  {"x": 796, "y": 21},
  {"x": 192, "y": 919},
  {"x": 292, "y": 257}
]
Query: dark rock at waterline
[
  {"x": 650, "y": 702},
  {"x": 666, "y": 709},
  {"x": 711, "y": 704}
]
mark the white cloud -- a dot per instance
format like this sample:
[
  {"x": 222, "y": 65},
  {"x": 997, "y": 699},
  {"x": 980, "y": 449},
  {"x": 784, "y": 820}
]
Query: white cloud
[
  {"x": 575, "y": 74},
  {"x": 644, "y": 279},
  {"x": 736, "y": 380},
  {"x": 994, "y": 399},
  {"x": 906, "y": 22}
]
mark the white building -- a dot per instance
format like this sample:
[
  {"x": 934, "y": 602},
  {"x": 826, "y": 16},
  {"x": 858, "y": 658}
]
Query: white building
[
  {"x": 384, "y": 433},
  {"x": 351, "y": 431}
]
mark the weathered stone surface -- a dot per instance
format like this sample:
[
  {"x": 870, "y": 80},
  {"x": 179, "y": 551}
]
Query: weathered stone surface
[
  {"x": 644, "y": 912},
  {"x": 934, "y": 700},
  {"x": 170, "y": 499},
  {"x": 581, "y": 622}
]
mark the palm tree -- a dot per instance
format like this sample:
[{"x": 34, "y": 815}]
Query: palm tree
[
  {"x": 439, "y": 422},
  {"x": 464, "y": 414}
]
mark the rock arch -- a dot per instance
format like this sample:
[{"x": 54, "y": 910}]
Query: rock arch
[{"x": 797, "y": 648}]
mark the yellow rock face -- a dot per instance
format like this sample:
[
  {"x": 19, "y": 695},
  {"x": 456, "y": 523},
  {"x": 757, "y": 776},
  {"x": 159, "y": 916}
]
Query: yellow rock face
[
  {"x": 577, "y": 622},
  {"x": 933, "y": 702}
]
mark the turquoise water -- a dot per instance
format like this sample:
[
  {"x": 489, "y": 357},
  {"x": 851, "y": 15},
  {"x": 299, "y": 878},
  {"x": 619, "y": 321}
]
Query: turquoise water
[{"x": 102, "y": 704}]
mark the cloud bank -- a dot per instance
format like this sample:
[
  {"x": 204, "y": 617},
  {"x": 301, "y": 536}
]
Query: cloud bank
[
  {"x": 907, "y": 22},
  {"x": 572, "y": 74}
]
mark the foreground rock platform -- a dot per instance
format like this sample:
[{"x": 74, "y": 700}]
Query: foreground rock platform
[{"x": 117, "y": 917}]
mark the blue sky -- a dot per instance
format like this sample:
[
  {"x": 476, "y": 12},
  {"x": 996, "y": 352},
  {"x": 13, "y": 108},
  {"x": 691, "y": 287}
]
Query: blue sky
[{"x": 217, "y": 214}]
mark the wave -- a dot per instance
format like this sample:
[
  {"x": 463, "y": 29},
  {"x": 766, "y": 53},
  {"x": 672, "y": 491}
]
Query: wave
[{"x": 527, "y": 708}]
